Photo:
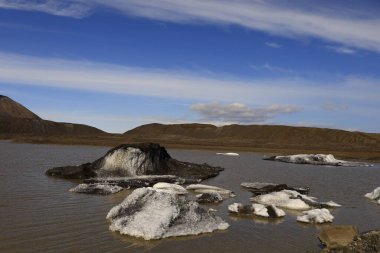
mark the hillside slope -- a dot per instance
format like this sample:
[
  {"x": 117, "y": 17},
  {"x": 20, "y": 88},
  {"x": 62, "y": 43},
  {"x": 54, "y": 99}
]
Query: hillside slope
[{"x": 15, "y": 119}]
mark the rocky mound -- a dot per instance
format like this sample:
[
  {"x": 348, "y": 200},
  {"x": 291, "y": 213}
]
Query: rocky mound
[
  {"x": 152, "y": 214},
  {"x": 130, "y": 160}
]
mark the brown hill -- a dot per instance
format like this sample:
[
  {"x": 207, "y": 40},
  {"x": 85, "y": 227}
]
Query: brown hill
[
  {"x": 257, "y": 136},
  {"x": 15, "y": 119}
]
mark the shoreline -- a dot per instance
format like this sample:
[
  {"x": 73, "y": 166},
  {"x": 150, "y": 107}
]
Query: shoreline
[{"x": 115, "y": 140}]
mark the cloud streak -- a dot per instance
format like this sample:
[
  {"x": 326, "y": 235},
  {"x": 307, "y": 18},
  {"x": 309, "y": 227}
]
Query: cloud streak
[
  {"x": 178, "y": 84},
  {"x": 358, "y": 30},
  {"x": 240, "y": 113}
]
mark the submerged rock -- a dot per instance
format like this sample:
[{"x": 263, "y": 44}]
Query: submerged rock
[
  {"x": 368, "y": 242},
  {"x": 152, "y": 214},
  {"x": 316, "y": 216},
  {"x": 337, "y": 236},
  {"x": 374, "y": 195},
  {"x": 263, "y": 188},
  {"x": 270, "y": 211},
  {"x": 103, "y": 189},
  {"x": 291, "y": 200},
  {"x": 202, "y": 188},
  {"x": 140, "y": 181},
  {"x": 316, "y": 159},
  {"x": 213, "y": 197}
]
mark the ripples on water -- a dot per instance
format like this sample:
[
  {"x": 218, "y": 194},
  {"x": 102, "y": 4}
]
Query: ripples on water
[{"x": 39, "y": 214}]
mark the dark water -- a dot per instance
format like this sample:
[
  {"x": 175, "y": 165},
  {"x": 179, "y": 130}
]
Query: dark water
[{"x": 39, "y": 214}]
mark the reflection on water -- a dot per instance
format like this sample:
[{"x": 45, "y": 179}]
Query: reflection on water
[{"x": 39, "y": 214}]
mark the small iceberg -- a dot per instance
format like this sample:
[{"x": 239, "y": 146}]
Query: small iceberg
[
  {"x": 172, "y": 188},
  {"x": 202, "y": 188},
  {"x": 374, "y": 195},
  {"x": 315, "y": 159},
  {"x": 152, "y": 214},
  {"x": 270, "y": 211},
  {"x": 316, "y": 216},
  {"x": 228, "y": 154},
  {"x": 103, "y": 189},
  {"x": 291, "y": 200}
]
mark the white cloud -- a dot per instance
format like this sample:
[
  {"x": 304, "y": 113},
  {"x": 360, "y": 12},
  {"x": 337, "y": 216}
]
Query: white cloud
[
  {"x": 272, "y": 68},
  {"x": 272, "y": 44},
  {"x": 358, "y": 30},
  {"x": 342, "y": 49},
  {"x": 180, "y": 84},
  {"x": 240, "y": 113}
]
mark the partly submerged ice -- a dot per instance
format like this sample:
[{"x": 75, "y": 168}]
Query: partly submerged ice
[
  {"x": 316, "y": 159},
  {"x": 270, "y": 211},
  {"x": 152, "y": 214},
  {"x": 316, "y": 216},
  {"x": 374, "y": 195},
  {"x": 202, "y": 188},
  {"x": 104, "y": 189},
  {"x": 172, "y": 188},
  {"x": 291, "y": 200},
  {"x": 228, "y": 154}
]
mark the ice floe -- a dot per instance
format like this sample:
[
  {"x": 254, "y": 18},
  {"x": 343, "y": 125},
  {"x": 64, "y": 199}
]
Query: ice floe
[
  {"x": 173, "y": 188},
  {"x": 202, "y": 188},
  {"x": 291, "y": 200},
  {"x": 316, "y": 216},
  {"x": 270, "y": 211},
  {"x": 374, "y": 195},
  {"x": 228, "y": 154},
  {"x": 316, "y": 159},
  {"x": 152, "y": 214},
  {"x": 104, "y": 189}
]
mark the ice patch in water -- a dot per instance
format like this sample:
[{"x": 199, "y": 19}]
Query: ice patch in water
[
  {"x": 374, "y": 195},
  {"x": 151, "y": 214},
  {"x": 174, "y": 188},
  {"x": 201, "y": 188},
  {"x": 316, "y": 216},
  {"x": 96, "y": 189},
  {"x": 316, "y": 159}
]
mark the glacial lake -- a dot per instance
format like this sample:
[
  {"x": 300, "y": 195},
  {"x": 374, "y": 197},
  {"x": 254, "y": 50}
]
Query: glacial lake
[{"x": 39, "y": 214}]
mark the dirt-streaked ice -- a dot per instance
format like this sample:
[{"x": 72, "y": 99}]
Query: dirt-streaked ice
[
  {"x": 152, "y": 214},
  {"x": 104, "y": 189}
]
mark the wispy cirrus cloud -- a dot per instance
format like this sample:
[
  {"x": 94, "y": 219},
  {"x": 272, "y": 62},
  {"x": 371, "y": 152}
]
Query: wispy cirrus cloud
[
  {"x": 273, "y": 45},
  {"x": 354, "y": 30},
  {"x": 341, "y": 49},
  {"x": 179, "y": 84},
  {"x": 240, "y": 113}
]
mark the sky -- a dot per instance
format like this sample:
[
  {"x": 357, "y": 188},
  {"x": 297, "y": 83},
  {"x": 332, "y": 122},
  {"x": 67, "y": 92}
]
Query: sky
[{"x": 118, "y": 64}]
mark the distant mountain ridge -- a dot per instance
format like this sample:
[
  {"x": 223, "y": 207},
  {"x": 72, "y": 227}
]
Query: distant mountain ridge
[
  {"x": 258, "y": 136},
  {"x": 17, "y": 119}
]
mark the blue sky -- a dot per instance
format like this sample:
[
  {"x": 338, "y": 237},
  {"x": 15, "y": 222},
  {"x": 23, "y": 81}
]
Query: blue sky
[{"x": 118, "y": 64}]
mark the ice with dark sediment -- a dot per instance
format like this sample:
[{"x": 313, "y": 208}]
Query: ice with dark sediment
[
  {"x": 152, "y": 214},
  {"x": 291, "y": 200},
  {"x": 213, "y": 197},
  {"x": 270, "y": 211},
  {"x": 316, "y": 216},
  {"x": 316, "y": 159},
  {"x": 262, "y": 188},
  {"x": 103, "y": 189},
  {"x": 374, "y": 195}
]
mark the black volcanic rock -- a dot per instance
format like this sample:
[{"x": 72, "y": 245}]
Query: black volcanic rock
[{"x": 131, "y": 160}]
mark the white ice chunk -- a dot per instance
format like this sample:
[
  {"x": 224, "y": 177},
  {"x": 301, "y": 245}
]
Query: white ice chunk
[
  {"x": 235, "y": 207},
  {"x": 260, "y": 210},
  {"x": 316, "y": 216},
  {"x": 201, "y": 188},
  {"x": 177, "y": 189},
  {"x": 285, "y": 199},
  {"x": 228, "y": 154},
  {"x": 151, "y": 214},
  {"x": 278, "y": 212},
  {"x": 375, "y": 194}
]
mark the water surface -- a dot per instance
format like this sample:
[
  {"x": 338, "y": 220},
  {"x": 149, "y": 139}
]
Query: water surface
[{"x": 39, "y": 214}]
